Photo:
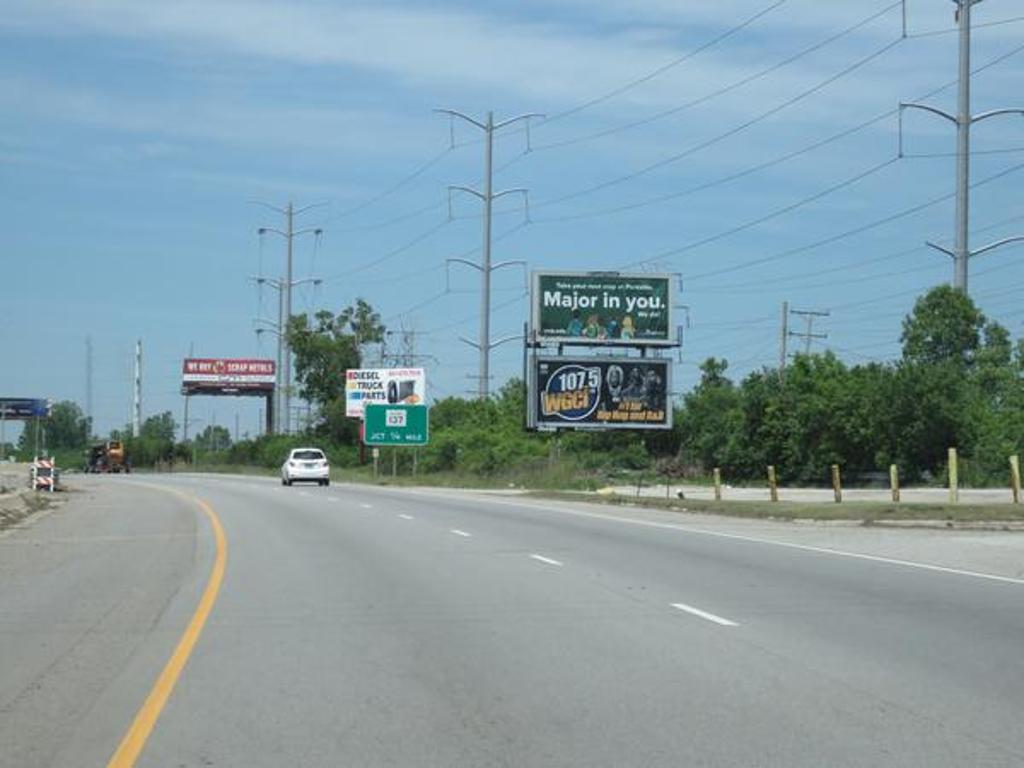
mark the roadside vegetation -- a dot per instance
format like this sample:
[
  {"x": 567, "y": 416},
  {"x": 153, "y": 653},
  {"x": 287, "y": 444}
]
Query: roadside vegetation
[{"x": 958, "y": 383}]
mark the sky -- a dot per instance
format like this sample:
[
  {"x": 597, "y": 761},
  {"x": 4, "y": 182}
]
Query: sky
[{"x": 749, "y": 146}]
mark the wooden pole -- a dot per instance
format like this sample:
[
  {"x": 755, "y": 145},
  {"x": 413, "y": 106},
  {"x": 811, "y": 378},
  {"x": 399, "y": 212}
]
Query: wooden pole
[
  {"x": 1015, "y": 478},
  {"x": 894, "y": 482},
  {"x": 954, "y": 485},
  {"x": 773, "y": 488},
  {"x": 837, "y": 485},
  {"x": 718, "y": 484},
  {"x": 394, "y": 462}
]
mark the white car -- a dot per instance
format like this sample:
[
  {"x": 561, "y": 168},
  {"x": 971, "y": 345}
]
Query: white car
[{"x": 306, "y": 464}]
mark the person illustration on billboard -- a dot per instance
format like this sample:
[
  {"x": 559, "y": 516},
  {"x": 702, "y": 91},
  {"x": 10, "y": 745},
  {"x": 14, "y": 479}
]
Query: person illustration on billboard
[
  {"x": 593, "y": 329},
  {"x": 653, "y": 391},
  {"x": 634, "y": 389},
  {"x": 613, "y": 328},
  {"x": 575, "y": 325},
  {"x": 628, "y": 330},
  {"x": 615, "y": 379}
]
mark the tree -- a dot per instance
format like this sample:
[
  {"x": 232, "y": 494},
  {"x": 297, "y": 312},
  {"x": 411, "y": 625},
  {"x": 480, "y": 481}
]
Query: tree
[
  {"x": 325, "y": 347},
  {"x": 214, "y": 438},
  {"x": 944, "y": 326},
  {"x": 66, "y": 428},
  {"x": 159, "y": 428},
  {"x": 323, "y": 352},
  {"x": 362, "y": 322}
]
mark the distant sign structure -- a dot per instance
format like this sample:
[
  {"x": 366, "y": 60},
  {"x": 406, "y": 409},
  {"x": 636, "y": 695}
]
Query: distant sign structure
[
  {"x": 602, "y": 308},
  {"x": 394, "y": 386},
  {"x": 601, "y": 393},
  {"x": 227, "y": 376},
  {"x": 396, "y": 424},
  {"x": 21, "y": 408}
]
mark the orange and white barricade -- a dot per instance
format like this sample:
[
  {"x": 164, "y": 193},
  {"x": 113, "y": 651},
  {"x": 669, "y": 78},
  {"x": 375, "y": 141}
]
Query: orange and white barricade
[{"x": 44, "y": 475}]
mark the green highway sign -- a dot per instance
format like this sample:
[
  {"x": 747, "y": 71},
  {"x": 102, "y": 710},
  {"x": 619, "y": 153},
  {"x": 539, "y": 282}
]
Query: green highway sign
[{"x": 395, "y": 424}]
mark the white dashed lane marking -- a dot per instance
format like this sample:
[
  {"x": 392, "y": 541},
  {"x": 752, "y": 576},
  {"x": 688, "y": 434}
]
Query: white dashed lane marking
[
  {"x": 704, "y": 615},
  {"x": 547, "y": 560}
]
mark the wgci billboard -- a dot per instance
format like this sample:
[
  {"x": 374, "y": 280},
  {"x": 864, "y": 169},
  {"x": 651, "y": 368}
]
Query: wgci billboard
[
  {"x": 228, "y": 375},
  {"x": 389, "y": 386},
  {"x": 596, "y": 393},
  {"x": 602, "y": 308}
]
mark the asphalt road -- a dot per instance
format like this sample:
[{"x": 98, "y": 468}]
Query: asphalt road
[{"x": 371, "y": 627}]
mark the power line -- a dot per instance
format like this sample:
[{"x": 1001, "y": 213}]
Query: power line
[
  {"x": 664, "y": 67},
  {"x": 784, "y": 158},
  {"x": 390, "y": 254},
  {"x": 719, "y": 91},
  {"x": 759, "y": 285},
  {"x": 761, "y": 117},
  {"x": 405, "y": 180},
  {"x": 773, "y": 215},
  {"x": 844, "y": 235},
  {"x": 935, "y": 32}
]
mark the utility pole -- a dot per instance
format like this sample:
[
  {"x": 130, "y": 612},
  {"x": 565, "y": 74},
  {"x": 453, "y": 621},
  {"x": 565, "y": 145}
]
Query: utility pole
[
  {"x": 283, "y": 288},
  {"x": 963, "y": 120},
  {"x": 289, "y": 234},
  {"x": 783, "y": 340},
  {"x": 137, "y": 390},
  {"x": 88, "y": 385},
  {"x": 184, "y": 432},
  {"x": 488, "y": 196},
  {"x": 808, "y": 316}
]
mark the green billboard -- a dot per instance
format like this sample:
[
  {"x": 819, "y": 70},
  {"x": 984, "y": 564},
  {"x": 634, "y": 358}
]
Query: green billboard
[
  {"x": 385, "y": 424},
  {"x": 604, "y": 308}
]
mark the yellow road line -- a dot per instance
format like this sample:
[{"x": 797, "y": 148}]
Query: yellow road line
[{"x": 135, "y": 739}]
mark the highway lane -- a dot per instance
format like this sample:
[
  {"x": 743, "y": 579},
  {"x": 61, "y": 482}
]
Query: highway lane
[{"x": 361, "y": 626}]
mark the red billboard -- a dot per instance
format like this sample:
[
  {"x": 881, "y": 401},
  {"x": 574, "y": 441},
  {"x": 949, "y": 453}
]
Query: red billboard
[{"x": 227, "y": 375}]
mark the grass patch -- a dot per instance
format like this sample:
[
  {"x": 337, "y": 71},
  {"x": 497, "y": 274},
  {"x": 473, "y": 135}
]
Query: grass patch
[{"x": 865, "y": 512}]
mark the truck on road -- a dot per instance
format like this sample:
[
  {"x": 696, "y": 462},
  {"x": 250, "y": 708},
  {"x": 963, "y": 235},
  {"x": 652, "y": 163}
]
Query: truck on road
[{"x": 107, "y": 457}]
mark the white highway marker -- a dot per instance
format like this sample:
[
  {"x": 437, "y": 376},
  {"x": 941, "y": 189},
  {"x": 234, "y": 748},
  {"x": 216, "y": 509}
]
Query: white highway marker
[
  {"x": 406, "y": 517},
  {"x": 366, "y": 506},
  {"x": 457, "y": 532},
  {"x": 704, "y": 615},
  {"x": 547, "y": 560}
]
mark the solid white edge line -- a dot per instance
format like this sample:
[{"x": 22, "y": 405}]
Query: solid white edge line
[
  {"x": 771, "y": 542},
  {"x": 704, "y": 615},
  {"x": 547, "y": 560},
  {"x": 457, "y": 532}
]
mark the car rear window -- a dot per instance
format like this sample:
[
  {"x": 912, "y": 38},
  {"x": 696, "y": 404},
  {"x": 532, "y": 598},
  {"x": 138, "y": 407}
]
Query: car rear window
[{"x": 307, "y": 455}]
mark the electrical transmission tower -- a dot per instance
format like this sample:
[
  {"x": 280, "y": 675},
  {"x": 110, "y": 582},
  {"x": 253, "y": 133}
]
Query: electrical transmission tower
[
  {"x": 808, "y": 335},
  {"x": 963, "y": 120},
  {"x": 488, "y": 196},
  {"x": 406, "y": 356},
  {"x": 88, "y": 384},
  {"x": 289, "y": 234}
]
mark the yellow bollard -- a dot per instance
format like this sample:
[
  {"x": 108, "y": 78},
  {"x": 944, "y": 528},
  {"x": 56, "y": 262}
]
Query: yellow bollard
[
  {"x": 773, "y": 488},
  {"x": 1015, "y": 478},
  {"x": 718, "y": 483},
  {"x": 837, "y": 486},
  {"x": 954, "y": 486},
  {"x": 894, "y": 482}
]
